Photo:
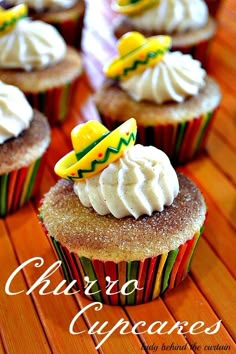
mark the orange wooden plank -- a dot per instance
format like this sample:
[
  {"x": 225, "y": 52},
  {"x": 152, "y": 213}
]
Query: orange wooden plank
[
  {"x": 150, "y": 313},
  {"x": 223, "y": 155},
  {"x": 115, "y": 341},
  {"x": 188, "y": 304},
  {"x": 224, "y": 122},
  {"x": 220, "y": 236},
  {"x": 56, "y": 312},
  {"x": 2, "y": 350},
  {"x": 216, "y": 283},
  {"x": 21, "y": 328},
  {"x": 218, "y": 187}
]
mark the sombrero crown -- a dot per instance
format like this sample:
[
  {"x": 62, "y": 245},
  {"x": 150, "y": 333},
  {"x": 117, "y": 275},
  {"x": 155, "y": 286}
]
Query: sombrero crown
[
  {"x": 95, "y": 147},
  {"x": 135, "y": 54},
  {"x": 133, "y": 7},
  {"x": 9, "y": 17}
]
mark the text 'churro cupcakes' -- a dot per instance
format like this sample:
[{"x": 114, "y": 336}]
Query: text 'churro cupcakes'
[
  {"x": 121, "y": 218},
  {"x": 186, "y": 21},
  {"x": 24, "y": 138},
  {"x": 67, "y": 16},
  {"x": 35, "y": 58},
  {"x": 169, "y": 94}
]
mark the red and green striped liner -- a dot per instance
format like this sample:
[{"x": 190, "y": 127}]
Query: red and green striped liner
[
  {"x": 54, "y": 103},
  {"x": 155, "y": 275},
  {"x": 18, "y": 186},
  {"x": 180, "y": 141}
]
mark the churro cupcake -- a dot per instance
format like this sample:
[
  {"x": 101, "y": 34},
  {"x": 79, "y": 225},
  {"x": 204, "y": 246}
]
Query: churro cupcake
[
  {"x": 121, "y": 217},
  {"x": 35, "y": 58},
  {"x": 187, "y": 22},
  {"x": 24, "y": 138},
  {"x": 169, "y": 94},
  {"x": 66, "y": 15}
]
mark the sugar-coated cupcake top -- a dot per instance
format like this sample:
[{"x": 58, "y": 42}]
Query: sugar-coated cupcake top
[
  {"x": 15, "y": 112},
  {"x": 30, "y": 45},
  {"x": 121, "y": 179},
  {"x": 40, "y": 5},
  {"x": 174, "y": 77},
  {"x": 164, "y": 16}
]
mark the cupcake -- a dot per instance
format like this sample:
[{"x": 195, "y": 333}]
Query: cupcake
[
  {"x": 121, "y": 217},
  {"x": 186, "y": 21},
  {"x": 66, "y": 15},
  {"x": 24, "y": 138},
  {"x": 169, "y": 94},
  {"x": 35, "y": 58}
]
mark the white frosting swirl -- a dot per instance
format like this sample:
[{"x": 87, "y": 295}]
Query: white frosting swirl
[
  {"x": 176, "y": 77},
  {"x": 40, "y": 5},
  {"x": 15, "y": 112},
  {"x": 172, "y": 16},
  {"x": 140, "y": 182},
  {"x": 31, "y": 45}
]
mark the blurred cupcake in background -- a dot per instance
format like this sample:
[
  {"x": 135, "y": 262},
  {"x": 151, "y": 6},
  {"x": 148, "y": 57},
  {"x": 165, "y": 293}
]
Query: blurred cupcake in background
[
  {"x": 186, "y": 21},
  {"x": 170, "y": 95},
  {"x": 35, "y": 58},
  {"x": 66, "y": 15},
  {"x": 24, "y": 138}
]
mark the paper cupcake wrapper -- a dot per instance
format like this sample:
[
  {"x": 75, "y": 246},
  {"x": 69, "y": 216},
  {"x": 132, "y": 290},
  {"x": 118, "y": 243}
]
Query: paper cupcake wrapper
[
  {"x": 180, "y": 141},
  {"x": 154, "y": 275},
  {"x": 198, "y": 51},
  {"x": 70, "y": 29},
  {"x": 54, "y": 103},
  {"x": 18, "y": 186}
]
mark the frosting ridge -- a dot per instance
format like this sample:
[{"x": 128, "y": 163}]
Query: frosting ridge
[
  {"x": 31, "y": 45},
  {"x": 138, "y": 183},
  {"x": 15, "y": 112},
  {"x": 176, "y": 77},
  {"x": 173, "y": 16}
]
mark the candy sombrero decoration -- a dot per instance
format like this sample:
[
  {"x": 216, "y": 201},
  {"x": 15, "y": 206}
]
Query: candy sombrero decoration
[
  {"x": 95, "y": 147},
  {"x": 132, "y": 7},
  {"x": 136, "y": 53},
  {"x": 9, "y": 17}
]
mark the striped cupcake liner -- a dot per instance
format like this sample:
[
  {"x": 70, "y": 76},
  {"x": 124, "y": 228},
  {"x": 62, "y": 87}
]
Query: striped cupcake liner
[
  {"x": 54, "y": 103},
  {"x": 199, "y": 51},
  {"x": 18, "y": 186},
  {"x": 154, "y": 275},
  {"x": 180, "y": 141}
]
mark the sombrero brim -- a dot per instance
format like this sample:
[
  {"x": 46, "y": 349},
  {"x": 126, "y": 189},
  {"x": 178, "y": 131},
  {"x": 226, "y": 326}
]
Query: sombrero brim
[
  {"x": 106, "y": 151},
  {"x": 132, "y": 9},
  {"x": 148, "y": 54}
]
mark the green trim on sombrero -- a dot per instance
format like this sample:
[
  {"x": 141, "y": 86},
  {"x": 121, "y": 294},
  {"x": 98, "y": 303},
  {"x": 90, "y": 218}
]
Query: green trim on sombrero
[{"x": 110, "y": 150}]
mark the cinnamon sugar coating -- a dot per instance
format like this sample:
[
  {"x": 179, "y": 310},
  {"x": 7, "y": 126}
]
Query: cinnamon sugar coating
[
  {"x": 115, "y": 103},
  {"x": 36, "y": 81},
  {"x": 188, "y": 38},
  {"x": 29, "y": 146},
  {"x": 94, "y": 236}
]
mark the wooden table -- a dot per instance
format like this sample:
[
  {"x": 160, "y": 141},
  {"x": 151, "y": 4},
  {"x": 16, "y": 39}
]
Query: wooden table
[{"x": 40, "y": 324}]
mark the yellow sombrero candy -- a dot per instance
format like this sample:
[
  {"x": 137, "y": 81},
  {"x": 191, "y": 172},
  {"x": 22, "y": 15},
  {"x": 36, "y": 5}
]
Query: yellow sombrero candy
[
  {"x": 9, "y": 17},
  {"x": 132, "y": 7},
  {"x": 136, "y": 53},
  {"x": 95, "y": 147}
]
